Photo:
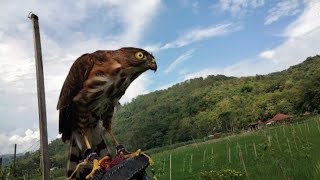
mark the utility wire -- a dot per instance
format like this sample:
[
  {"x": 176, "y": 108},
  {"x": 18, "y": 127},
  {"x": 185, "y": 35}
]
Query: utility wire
[{"x": 36, "y": 143}]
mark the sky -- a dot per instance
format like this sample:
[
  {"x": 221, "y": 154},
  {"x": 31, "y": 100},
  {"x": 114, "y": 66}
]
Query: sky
[{"x": 189, "y": 38}]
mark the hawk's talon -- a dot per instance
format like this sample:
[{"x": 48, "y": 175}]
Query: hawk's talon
[
  {"x": 96, "y": 166},
  {"x": 136, "y": 154},
  {"x": 151, "y": 162},
  {"x": 84, "y": 163},
  {"x": 120, "y": 148},
  {"x": 90, "y": 155}
]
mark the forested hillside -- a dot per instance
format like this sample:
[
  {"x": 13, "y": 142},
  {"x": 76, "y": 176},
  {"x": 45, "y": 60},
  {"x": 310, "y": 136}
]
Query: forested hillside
[{"x": 198, "y": 107}]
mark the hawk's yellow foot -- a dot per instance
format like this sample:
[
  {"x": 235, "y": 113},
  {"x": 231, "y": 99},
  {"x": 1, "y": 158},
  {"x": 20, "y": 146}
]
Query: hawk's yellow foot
[
  {"x": 137, "y": 153},
  {"x": 96, "y": 166},
  {"x": 151, "y": 162},
  {"x": 84, "y": 163}
]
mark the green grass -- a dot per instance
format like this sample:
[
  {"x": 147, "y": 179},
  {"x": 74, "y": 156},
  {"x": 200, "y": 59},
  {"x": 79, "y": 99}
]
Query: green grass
[{"x": 289, "y": 151}]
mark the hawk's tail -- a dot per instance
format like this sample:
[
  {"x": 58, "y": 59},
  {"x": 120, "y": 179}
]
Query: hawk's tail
[{"x": 74, "y": 157}]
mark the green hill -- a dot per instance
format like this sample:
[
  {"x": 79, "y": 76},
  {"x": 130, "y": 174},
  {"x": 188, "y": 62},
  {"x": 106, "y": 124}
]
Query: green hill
[{"x": 198, "y": 107}]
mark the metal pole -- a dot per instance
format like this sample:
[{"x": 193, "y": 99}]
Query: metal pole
[
  {"x": 44, "y": 160},
  {"x": 14, "y": 161}
]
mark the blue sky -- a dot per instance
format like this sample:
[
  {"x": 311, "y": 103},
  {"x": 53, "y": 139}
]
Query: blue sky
[{"x": 189, "y": 39}]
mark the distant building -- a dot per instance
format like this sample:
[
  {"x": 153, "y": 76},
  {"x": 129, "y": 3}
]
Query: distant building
[
  {"x": 277, "y": 118},
  {"x": 214, "y": 136},
  {"x": 252, "y": 126}
]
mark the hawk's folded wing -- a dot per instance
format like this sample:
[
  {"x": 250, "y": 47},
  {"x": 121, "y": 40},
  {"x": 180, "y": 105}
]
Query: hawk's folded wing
[{"x": 78, "y": 73}]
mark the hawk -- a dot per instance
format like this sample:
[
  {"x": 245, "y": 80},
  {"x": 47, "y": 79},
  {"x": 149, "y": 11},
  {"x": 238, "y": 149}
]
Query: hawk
[{"x": 90, "y": 94}]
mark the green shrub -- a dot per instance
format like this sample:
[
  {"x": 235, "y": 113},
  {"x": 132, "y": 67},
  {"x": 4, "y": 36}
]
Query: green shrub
[{"x": 223, "y": 174}]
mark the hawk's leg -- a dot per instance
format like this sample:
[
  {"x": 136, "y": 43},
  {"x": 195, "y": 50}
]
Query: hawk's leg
[
  {"x": 121, "y": 151},
  {"x": 85, "y": 138},
  {"x": 119, "y": 148},
  {"x": 113, "y": 137},
  {"x": 91, "y": 156}
]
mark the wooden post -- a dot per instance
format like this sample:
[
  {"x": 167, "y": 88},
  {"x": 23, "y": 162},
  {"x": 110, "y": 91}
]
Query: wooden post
[
  {"x": 14, "y": 161},
  {"x": 1, "y": 164},
  {"x": 170, "y": 168},
  {"x": 44, "y": 160}
]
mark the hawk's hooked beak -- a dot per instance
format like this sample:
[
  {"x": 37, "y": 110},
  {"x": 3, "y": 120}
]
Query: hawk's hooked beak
[{"x": 153, "y": 65}]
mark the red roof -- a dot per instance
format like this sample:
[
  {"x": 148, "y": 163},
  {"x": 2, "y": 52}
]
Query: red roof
[{"x": 278, "y": 117}]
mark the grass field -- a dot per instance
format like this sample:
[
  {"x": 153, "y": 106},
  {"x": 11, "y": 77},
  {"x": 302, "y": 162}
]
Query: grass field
[{"x": 289, "y": 151}]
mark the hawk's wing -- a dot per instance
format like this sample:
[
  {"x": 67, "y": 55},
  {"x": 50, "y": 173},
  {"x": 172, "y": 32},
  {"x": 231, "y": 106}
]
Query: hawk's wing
[{"x": 78, "y": 73}]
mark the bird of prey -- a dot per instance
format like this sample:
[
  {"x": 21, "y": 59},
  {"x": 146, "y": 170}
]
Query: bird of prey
[{"x": 91, "y": 92}]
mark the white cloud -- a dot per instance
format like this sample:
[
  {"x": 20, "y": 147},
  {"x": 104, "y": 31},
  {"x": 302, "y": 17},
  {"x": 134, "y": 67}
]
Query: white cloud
[
  {"x": 307, "y": 22},
  {"x": 295, "y": 50},
  {"x": 269, "y": 54},
  {"x": 13, "y": 64},
  {"x": 68, "y": 29},
  {"x": 18, "y": 38},
  {"x": 303, "y": 40},
  {"x": 182, "y": 58},
  {"x": 239, "y": 7},
  {"x": 199, "y": 34},
  {"x": 28, "y": 136},
  {"x": 58, "y": 136},
  {"x": 282, "y": 9},
  {"x": 28, "y": 141},
  {"x": 136, "y": 17}
]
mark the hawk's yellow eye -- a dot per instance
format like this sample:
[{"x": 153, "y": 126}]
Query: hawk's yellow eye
[{"x": 139, "y": 55}]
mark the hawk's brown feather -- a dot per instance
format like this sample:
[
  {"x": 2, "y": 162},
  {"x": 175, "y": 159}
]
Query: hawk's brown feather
[{"x": 78, "y": 73}]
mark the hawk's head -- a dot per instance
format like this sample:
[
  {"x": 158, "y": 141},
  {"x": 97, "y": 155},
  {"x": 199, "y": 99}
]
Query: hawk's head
[
  {"x": 126, "y": 62},
  {"x": 135, "y": 57}
]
